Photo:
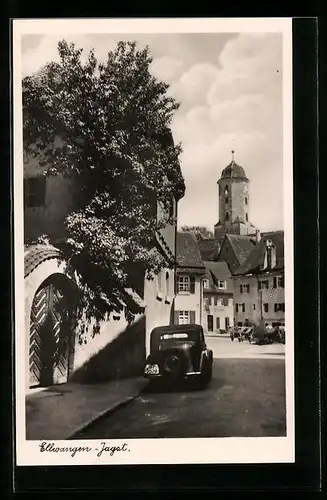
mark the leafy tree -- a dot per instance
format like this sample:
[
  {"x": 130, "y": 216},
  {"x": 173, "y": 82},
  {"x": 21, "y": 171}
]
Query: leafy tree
[
  {"x": 201, "y": 232},
  {"x": 106, "y": 125}
]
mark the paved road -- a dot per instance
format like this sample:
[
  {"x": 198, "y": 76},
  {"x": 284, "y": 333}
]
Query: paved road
[
  {"x": 246, "y": 398},
  {"x": 225, "y": 348}
]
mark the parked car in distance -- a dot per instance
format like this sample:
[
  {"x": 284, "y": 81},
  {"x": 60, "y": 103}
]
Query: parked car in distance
[
  {"x": 241, "y": 333},
  {"x": 179, "y": 352}
]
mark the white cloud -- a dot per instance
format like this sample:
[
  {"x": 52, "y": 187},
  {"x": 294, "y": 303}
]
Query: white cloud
[
  {"x": 234, "y": 105},
  {"x": 47, "y": 50},
  {"x": 230, "y": 89},
  {"x": 194, "y": 84},
  {"x": 166, "y": 68}
]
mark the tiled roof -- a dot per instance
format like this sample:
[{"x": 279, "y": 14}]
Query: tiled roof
[
  {"x": 233, "y": 170},
  {"x": 187, "y": 251},
  {"x": 256, "y": 257},
  {"x": 34, "y": 255},
  {"x": 242, "y": 246},
  {"x": 218, "y": 271},
  {"x": 209, "y": 248}
]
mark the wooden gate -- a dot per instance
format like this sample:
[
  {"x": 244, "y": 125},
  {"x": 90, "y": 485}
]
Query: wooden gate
[{"x": 50, "y": 335}]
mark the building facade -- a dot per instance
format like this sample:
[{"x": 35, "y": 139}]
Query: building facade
[
  {"x": 259, "y": 288},
  {"x": 51, "y": 294},
  {"x": 218, "y": 310},
  {"x": 189, "y": 289}
]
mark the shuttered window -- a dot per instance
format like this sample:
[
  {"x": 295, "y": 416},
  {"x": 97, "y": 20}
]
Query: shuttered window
[
  {"x": 183, "y": 283},
  {"x": 184, "y": 317},
  {"x": 192, "y": 284}
]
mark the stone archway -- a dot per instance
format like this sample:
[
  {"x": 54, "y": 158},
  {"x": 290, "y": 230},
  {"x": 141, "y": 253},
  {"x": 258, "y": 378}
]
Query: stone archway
[{"x": 51, "y": 332}]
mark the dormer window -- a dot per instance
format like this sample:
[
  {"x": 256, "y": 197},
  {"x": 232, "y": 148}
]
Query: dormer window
[
  {"x": 270, "y": 255},
  {"x": 205, "y": 283}
]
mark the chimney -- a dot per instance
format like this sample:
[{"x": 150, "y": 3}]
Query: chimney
[{"x": 257, "y": 235}]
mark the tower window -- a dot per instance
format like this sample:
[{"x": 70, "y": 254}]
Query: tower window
[
  {"x": 246, "y": 200},
  {"x": 226, "y": 199},
  {"x": 246, "y": 217},
  {"x": 227, "y": 216},
  {"x": 219, "y": 188}
]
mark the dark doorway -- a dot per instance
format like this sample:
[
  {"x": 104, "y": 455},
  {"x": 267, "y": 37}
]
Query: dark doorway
[
  {"x": 51, "y": 333},
  {"x": 210, "y": 323}
]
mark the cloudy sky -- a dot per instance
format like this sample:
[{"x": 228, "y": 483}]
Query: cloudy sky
[{"x": 230, "y": 89}]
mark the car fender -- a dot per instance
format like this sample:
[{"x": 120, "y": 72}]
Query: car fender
[{"x": 206, "y": 355}]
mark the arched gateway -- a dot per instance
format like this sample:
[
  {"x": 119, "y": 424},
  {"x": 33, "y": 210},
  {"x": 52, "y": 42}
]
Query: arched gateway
[{"x": 50, "y": 308}]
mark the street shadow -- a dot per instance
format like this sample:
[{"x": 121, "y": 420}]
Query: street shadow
[{"x": 122, "y": 357}]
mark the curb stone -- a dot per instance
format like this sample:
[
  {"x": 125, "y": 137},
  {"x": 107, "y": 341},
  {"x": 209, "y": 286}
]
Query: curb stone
[{"x": 101, "y": 414}]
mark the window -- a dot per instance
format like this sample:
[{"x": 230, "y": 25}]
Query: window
[
  {"x": 269, "y": 258},
  {"x": 215, "y": 301},
  {"x": 218, "y": 323},
  {"x": 241, "y": 288},
  {"x": 243, "y": 308},
  {"x": 221, "y": 284},
  {"x": 210, "y": 322},
  {"x": 205, "y": 283},
  {"x": 207, "y": 301},
  {"x": 246, "y": 200},
  {"x": 226, "y": 200},
  {"x": 225, "y": 301},
  {"x": 280, "y": 282},
  {"x": 219, "y": 302},
  {"x": 246, "y": 217},
  {"x": 34, "y": 191},
  {"x": 263, "y": 284},
  {"x": 184, "y": 317},
  {"x": 245, "y": 288},
  {"x": 279, "y": 307},
  {"x": 183, "y": 283},
  {"x": 167, "y": 283},
  {"x": 254, "y": 307},
  {"x": 227, "y": 216},
  {"x": 226, "y": 323},
  {"x": 236, "y": 308},
  {"x": 266, "y": 307}
]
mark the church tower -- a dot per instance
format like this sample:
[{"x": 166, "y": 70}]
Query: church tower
[{"x": 234, "y": 202}]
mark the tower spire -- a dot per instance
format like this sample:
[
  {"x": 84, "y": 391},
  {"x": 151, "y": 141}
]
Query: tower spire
[{"x": 233, "y": 152}]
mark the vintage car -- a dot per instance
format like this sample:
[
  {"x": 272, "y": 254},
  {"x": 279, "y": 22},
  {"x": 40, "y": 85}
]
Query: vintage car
[
  {"x": 241, "y": 333},
  {"x": 179, "y": 352}
]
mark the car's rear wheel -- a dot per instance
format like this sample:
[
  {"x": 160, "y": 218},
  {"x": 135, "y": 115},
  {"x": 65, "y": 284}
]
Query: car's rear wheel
[{"x": 173, "y": 365}]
